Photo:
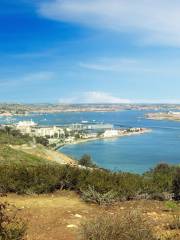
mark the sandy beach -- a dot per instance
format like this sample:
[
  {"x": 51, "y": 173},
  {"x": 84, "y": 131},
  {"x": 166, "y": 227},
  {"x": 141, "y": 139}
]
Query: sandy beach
[{"x": 79, "y": 141}]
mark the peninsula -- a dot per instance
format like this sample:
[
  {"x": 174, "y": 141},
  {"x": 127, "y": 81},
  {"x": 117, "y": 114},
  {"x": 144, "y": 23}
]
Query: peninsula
[
  {"x": 55, "y": 137},
  {"x": 172, "y": 116}
]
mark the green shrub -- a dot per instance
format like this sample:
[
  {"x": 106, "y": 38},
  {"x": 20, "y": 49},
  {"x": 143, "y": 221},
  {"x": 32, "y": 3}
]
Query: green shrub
[
  {"x": 160, "y": 179},
  {"x": 40, "y": 178},
  {"x": 11, "y": 227},
  {"x": 158, "y": 196},
  {"x": 175, "y": 222},
  {"x": 175, "y": 215},
  {"x": 42, "y": 140},
  {"x": 24, "y": 173},
  {"x": 176, "y": 185},
  {"x": 86, "y": 161},
  {"x": 91, "y": 195},
  {"x": 130, "y": 226},
  {"x": 13, "y": 137}
]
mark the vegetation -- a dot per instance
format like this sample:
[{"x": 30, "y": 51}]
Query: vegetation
[
  {"x": 12, "y": 156},
  {"x": 161, "y": 178},
  {"x": 41, "y": 140},
  {"x": 176, "y": 185},
  {"x": 174, "y": 208},
  {"x": 21, "y": 172},
  {"x": 86, "y": 161},
  {"x": 91, "y": 195},
  {"x": 11, "y": 227},
  {"x": 24, "y": 173},
  {"x": 130, "y": 226},
  {"x": 13, "y": 137}
]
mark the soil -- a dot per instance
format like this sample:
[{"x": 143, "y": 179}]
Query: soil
[{"x": 59, "y": 216}]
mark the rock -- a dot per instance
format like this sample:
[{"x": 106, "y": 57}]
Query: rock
[
  {"x": 122, "y": 208},
  {"x": 78, "y": 216},
  {"x": 71, "y": 226}
]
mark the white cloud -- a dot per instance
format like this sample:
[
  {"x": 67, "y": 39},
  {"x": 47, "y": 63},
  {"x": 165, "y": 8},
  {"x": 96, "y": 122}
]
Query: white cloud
[
  {"x": 157, "y": 100},
  {"x": 94, "y": 97},
  {"x": 117, "y": 65},
  {"x": 38, "y": 76},
  {"x": 27, "y": 78},
  {"x": 68, "y": 100},
  {"x": 155, "y": 21},
  {"x": 102, "y": 97}
]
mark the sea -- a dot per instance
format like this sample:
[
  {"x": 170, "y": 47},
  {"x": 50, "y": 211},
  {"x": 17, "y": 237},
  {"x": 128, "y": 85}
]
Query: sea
[{"x": 135, "y": 154}]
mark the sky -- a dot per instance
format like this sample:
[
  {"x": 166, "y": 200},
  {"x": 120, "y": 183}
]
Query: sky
[{"x": 90, "y": 51}]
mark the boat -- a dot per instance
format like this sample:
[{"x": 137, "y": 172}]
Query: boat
[{"x": 84, "y": 121}]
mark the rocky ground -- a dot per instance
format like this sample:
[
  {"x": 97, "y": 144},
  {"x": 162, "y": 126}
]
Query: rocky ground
[{"x": 59, "y": 216}]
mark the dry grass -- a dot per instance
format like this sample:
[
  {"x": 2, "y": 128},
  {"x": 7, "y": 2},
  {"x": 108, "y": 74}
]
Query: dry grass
[
  {"x": 129, "y": 226},
  {"x": 49, "y": 216}
]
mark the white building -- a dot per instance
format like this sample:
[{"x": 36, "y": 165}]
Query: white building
[
  {"x": 70, "y": 139},
  {"x": 51, "y": 132},
  {"x": 25, "y": 127},
  {"x": 31, "y": 128},
  {"x": 174, "y": 113},
  {"x": 111, "y": 133},
  {"x": 89, "y": 135},
  {"x": 23, "y": 124}
]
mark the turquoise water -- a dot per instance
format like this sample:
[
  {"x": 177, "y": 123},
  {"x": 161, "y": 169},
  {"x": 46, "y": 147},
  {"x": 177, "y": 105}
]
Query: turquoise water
[{"x": 134, "y": 153}]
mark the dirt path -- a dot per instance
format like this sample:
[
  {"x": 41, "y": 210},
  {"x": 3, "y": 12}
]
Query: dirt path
[
  {"x": 58, "y": 216},
  {"x": 52, "y": 217}
]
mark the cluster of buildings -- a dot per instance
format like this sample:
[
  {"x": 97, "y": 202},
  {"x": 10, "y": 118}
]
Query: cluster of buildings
[
  {"x": 87, "y": 126},
  {"x": 70, "y": 133},
  {"x": 66, "y": 134},
  {"x": 174, "y": 113},
  {"x": 53, "y": 134}
]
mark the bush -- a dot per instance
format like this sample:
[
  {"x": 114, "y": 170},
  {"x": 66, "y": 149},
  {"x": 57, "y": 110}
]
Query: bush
[
  {"x": 91, "y": 195},
  {"x": 11, "y": 227},
  {"x": 25, "y": 179},
  {"x": 175, "y": 211},
  {"x": 39, "y": 176},
  {"x": 43, "y": 141},
  {"x": 160, "y": 179},
  {"x": 175, "y": 223},
  {"x": 158, "y": 196},
  {"x": 131, "y": 226},
  {"x": 44, "y": 177},
  {"x": 176, "y": 185},
  {"x": 86, "y": 161},
  {"x": 14, "y": 137}
]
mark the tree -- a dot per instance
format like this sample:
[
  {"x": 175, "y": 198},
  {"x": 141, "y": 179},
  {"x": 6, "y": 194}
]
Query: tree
[
  {"x": 162, "y": 168},
  {"x": 86, "y": 161},
  {"x": 176, "y": 185},
  {"x": 42, "y": 141}
]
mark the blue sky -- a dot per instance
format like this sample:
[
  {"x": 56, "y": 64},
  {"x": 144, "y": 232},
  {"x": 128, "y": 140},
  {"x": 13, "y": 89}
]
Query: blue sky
[{"x": 73, "y": 51}]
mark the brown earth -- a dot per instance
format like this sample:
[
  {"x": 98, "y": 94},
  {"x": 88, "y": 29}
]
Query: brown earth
[{"x": 58, "y": 216}]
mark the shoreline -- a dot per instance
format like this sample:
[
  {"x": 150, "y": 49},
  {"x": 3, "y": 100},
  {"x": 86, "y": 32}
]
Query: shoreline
[
  {"x": 163, "y": 116},
  {"x": 81, "y": 141}
]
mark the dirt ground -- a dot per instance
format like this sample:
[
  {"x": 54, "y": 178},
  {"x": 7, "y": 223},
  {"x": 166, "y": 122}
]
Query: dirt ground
[{"x": 59, "y": 216}]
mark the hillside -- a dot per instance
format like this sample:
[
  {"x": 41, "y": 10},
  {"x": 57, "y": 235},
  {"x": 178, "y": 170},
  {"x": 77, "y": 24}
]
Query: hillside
[
  {"x": 18, "y": 147},
  {"x": 55, "y": 198},
  {"x": 10, "y": 155},
  {"x": 45, "y": 153}
]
